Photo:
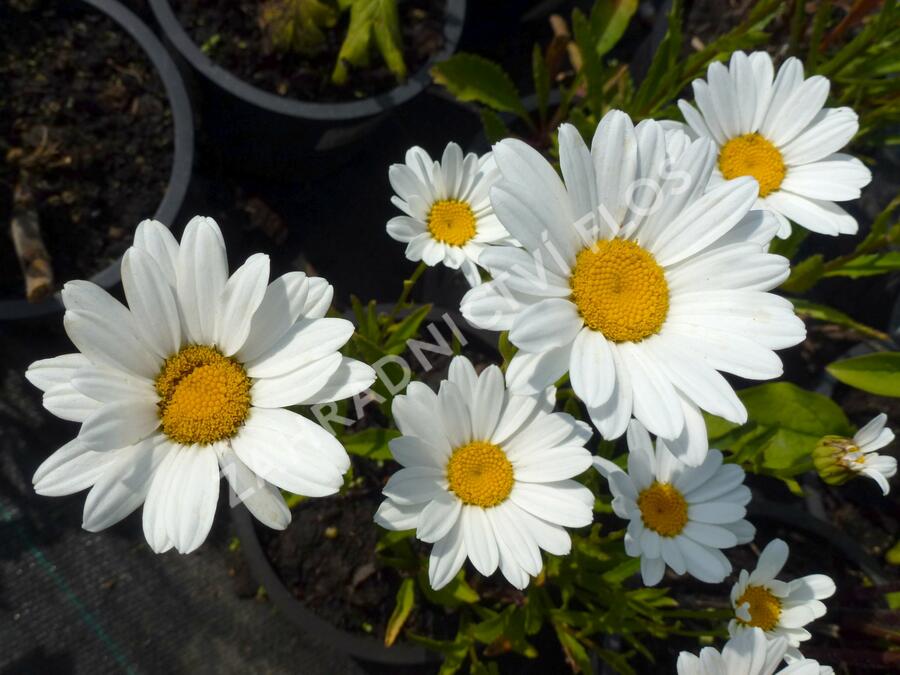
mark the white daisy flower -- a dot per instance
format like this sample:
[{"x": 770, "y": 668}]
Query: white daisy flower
[
  {"x": 776, "y": 129},
  {"x": 750, "y": 653},
  {"x": 634, "y": 279},
  {"x": 448, "y": 218},
  {"x": 679, "y": 515},
  {"x": 487, "y": 475},
  {"x": 839, "y": 459},
  {"x": 192, "y": 377},
  {"x": 780, "y": 608}
]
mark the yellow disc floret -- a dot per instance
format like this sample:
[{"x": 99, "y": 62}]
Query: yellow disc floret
[
  {"x": 204, "y": 396},
  {"x": 480, "y": 474},
  {"x": 620, "y": 290},
  {"x": 764, "y": 607},
  {"x": 753, "y": 155},
  {"x": 663, "y": 509},
  {"x": 451, "y": 221}
]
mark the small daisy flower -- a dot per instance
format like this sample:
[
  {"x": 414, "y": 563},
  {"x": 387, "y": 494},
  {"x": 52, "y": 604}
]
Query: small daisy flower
[
  {"x": 635, "y": 280},
  {"x": 193, "y": 377},
  {"x": 749, "y": 653},
  {"x": 448, "y": 218},
  {"x": 776, "y": 129},
  {"x": 839, "y": 459},
  {"x": 679, "y": 515},
  {"x": 780, "y": 608},
  {"x": 487, "y": 475}
]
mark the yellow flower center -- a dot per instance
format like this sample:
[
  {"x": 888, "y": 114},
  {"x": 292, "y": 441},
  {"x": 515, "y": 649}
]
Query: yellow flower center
[
  {"x": 663, "y": 509},
  {"x": 204, "y": 396},
  {"x": 451, "y": 222},
  {"x": 764, "y": 607},
  {"x": 620, "y": 290},
  {"x": 753, "y": 155},
  {"x": 480, "y": 474}
]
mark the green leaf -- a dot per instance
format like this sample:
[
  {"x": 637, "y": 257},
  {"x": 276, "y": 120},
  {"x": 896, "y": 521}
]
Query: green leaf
[
  {"x": 591, "y": 64},
  {"x": 867, "y": 265},
  {"x": 575, "y": 653},
  {"x": 877, "y": 373},
  {"x": 541, "y": 74},
  {"x": 371, "y": 19},
  {"x": 789, "y": 247},
  {"x": 371, "y": 443},
  {"x": 454, "y": 651},
  {"x": 406, "y": 600},
  {"x": 494, "y": 127},
  {"x": 812, "y": 310},
  {"x": 296, "y": 25},
  {"x": 453, "y": 595},
  {"x": 805, "y": 274},
  {"x": 406, "y": 329},
  {"x": 893, "y": 554},
  {"x": 475, "y": 78},
  {"x": 609, "y": 19}
]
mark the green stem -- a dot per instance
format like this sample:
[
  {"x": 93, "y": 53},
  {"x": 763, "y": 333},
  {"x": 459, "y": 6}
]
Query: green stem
[{"x": 407, "y": 289}]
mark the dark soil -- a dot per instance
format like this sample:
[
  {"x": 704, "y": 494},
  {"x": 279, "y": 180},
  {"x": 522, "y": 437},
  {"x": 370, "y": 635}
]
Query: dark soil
[
  {"x": 86, "y": 126},
  {"x": 228, "y": 31}
]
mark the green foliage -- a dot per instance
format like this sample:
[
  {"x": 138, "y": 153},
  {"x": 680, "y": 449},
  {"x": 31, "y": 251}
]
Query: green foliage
[
  {"x": 819, "y": 312},
  {"x": 371, "y": 443},
  {"x": 877, "y": 373},
  {"x": 296, "y": 25},
  {"x": 404, "y": 603},
  {"x": 474, "y": 78},
  {"x": 784, "y": 425},
  {"x": 374, "y": 24},
  {"x": 609, "y": 19}
]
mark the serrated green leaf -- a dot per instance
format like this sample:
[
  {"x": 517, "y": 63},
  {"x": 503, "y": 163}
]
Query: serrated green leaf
[
  {"x": 474, "y": 78},
  {"x": 575, "y": 653},
  {"x": 404, "y": 603},
  {"x": 591, "y": 64},
  {"x": 877, "y": 373},
  {"x": 453, "y": 595},
  {"x": 370, "y": 19},
  {"x": 541, "y": 75}
]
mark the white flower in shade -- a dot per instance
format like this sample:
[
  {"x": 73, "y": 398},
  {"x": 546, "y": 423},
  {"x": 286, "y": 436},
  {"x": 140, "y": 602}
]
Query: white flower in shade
[
  {"x": 750, "y": 653},
  {"x": 448, "y": 218},
  {"x": 839, "y": 459},
  {"x": 776, "y": 129},
  {"x": 192, "y": 377},
  {"x": 780, "y": 608},
  {"x": 486, "y": 475},
  {"x": 635, "y": 280},
  {"x": 679, "y": 515}
]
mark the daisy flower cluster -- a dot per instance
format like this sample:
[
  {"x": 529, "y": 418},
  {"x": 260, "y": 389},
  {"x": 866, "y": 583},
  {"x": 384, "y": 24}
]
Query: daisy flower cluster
[{"x": 638, "y": 277}]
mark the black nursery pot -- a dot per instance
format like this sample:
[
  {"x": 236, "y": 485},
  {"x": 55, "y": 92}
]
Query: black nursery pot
[
  {"x": 182, "y": 160},
  {"x": 256, "y": 132}
]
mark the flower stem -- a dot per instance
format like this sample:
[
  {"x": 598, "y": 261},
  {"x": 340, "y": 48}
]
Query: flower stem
[{"x": 407, "y": 289}]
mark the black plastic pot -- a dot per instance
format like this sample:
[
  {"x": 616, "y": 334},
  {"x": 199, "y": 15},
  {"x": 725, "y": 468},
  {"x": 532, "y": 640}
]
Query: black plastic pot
[
  {"x": 261, "y": 133},
  {"x": 358, "y": 646},
  {"x": 183, "y": 156}
]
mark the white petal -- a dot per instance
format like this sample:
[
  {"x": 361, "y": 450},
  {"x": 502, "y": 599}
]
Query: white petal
[
  {"x": 770, "y": 562},
  {"x": 438, "y": 517},
  {"x": 510, "y": 527},
  {"x": 156, "y": 505},
  {"x": 866, "y": 435},
  {"x": 656, "y": 404},
  {"x": 296, "y": 386},
  {"x": 119, "y": 424},
  {"x": 565, "y": 502},
  {"x": 154, "y": 238},
  {"x": 487, "y": 402},
  {"x": 828, "y": 132},
  {"x": 614, "y": 151},
  {"x": 152, "y": 302},
  {"x": 716, "y": 513},
  {"x": 240, "y": 299},
  {"x": 47, "y": 373},
  {"x": 447, "y": 557},
  {"x": 392, "y": 516},
  {"x": 701, "y": 563},
  {"x": 202, "y": 275},
  {"x": 306, "y": 341},
  {"x": 462, "y": 374},
  {"x": 68, "y": 403},
  {"x": 281, "y": 306},
  {"x": 591, "y": 368},
  {"x": 836, "y": 178},
  {"x": 108, "y": 386},
  {"x": 652, "y": 570},
  {"x": 192, "y": 497},
  {"x": 352, "y": 377},
  {"x": 578, "y": 171},
  {"x": 413, "y": 451},
  {"x": 553, "y": 464},
  {"x": 815, "y": 215},
  {"x": 481, "y": 546},
  {"x": 70, "y": 469},
  {"x": 529, "y": 373},
  {"x": 612, "y": 417},
  {"x": 415, "y": 485},
  {"x": 260, "y": 497}
]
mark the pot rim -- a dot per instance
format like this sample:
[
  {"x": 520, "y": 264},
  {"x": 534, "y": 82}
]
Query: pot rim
[
  {"x": 291, "y": 107},
  {"x": 182, "y": 156}
]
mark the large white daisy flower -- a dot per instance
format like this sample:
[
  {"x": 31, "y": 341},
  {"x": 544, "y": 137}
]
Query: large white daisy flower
[
  {"x": 842, "y": 458},
  {"x": 780, "y": 608},
  {"x": 749, "y": 653},
  {"x": 679, "y": 515},
  {"x": 487, "y": 475},
  {"x": 192, "y": 377},
  {"x": 776, "y": 129},
  {"x": 448, "y": 218},
  {"x": 634, "y": 279}
]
